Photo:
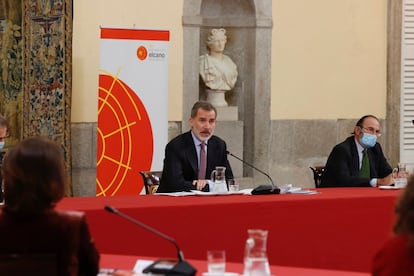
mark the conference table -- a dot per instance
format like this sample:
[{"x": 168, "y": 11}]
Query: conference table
[
  {"x": 121, "y": 263},
  {"x": 337, "y": 228}
]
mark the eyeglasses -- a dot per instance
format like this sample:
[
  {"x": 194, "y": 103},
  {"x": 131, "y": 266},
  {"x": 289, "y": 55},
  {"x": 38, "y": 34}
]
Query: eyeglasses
[{"x": 372, "y": 131}]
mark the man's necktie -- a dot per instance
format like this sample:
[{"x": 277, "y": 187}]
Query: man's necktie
[
  {"x": 203, "y": 162},
  {"x": 364, "y": 172}
]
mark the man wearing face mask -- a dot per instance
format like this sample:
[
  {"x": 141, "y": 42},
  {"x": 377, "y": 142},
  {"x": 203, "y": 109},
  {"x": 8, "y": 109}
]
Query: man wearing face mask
[
  {"x": 359, "y": 160},
  {"x": 4, "y": 125},
  {"x": 184, "y": 169}
]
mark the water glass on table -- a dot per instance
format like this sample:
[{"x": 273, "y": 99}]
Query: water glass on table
[
  {"x": 216, "y": 261},
  {"x": 233, "y": 185},
  {"x": 400, "y": 176}
]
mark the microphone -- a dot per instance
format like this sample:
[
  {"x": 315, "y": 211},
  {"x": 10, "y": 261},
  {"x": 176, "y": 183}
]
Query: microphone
[
  {"x": 261, "y": 189},
  {"x": 162, "y": 266}
]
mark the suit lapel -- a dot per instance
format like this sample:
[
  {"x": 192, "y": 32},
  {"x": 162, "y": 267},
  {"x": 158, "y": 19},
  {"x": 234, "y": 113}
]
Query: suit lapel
[
  {"x": 191, "y": 152},
  {"x": 371, "y": 158},
  {"x": 355, "y": 157},
  {"x": 210, "y": 162},
  {"x": 213, "y": 158}
]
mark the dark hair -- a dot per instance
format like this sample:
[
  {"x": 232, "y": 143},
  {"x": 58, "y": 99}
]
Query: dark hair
[
  {"x": 203, "y": 105},
  {"x": 361, "y": 121},
  {"x": 33, "y": 176},
  {"x": 405, "y": 210}
]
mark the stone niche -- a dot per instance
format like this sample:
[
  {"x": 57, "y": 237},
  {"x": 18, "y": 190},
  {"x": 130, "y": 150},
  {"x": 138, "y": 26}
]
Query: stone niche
[{"x": 245, "y": 122}]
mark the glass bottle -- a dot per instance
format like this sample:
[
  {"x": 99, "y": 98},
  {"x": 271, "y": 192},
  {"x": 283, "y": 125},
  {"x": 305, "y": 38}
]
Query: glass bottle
[
  {"x": 255, "y": 256},
  {"x": 400, "y": 176},
  {"x": 218, "y": 177}
]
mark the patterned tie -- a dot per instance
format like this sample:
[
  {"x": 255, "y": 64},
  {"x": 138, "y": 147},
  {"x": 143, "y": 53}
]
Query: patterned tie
[
  {"x": 203, "y": 161},
  {"x": 364, "y": 172}
]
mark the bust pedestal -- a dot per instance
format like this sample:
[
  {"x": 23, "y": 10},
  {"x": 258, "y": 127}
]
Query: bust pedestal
[
  {"x": 216, "y": 97},
  {"x": 224, "y": 111}
]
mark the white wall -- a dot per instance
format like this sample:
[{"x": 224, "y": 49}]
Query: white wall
[{"x": 328, "y": 57}]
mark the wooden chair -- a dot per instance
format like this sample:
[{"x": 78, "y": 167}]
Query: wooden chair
[
  {"x": 151, "y": 181},
  {"x": 317, "y": 174}
]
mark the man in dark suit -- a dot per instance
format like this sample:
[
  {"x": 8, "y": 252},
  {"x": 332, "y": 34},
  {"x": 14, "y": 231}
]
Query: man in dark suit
[
  {"x": 346, "y": 165},
  {"x": 184, "y": 168}
]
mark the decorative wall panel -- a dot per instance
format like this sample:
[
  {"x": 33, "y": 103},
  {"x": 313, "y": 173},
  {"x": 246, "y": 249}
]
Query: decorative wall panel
[{"x": 36, "y": 53}]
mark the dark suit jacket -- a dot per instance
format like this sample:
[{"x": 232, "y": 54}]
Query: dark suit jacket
[
  {"x": 342, "y": 166},
  {"x": 181, "y": 164},
  {"x": 60, "y": 233}
]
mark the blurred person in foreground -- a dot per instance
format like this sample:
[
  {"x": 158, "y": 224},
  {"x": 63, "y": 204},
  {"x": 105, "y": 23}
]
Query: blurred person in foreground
[
  {"x": 34, "y": 181},
  {"x": 182, "y": 169},
  {"x": 359, "y": 160},
  {"x": 396, "y": 256},
  {"x": 4, "y": 133}
]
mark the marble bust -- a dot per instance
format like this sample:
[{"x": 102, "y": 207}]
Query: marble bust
[{"x": 217, "y": 70}]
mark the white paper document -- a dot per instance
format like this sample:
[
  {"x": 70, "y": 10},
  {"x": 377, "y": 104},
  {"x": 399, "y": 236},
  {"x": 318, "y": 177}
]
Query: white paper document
[
  {"x": 289, "y": 189},
  {"x": 241, "y": 192},
  {"x": 200, "y": 193},
  {"x": 176, "y": 194}
]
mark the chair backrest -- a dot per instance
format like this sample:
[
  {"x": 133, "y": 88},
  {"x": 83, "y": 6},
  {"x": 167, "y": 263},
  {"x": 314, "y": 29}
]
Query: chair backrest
[
  {"x": 28, "y": 264},
  {"x": 317, "y": 174},
  {"x": 151, "y": 181}
]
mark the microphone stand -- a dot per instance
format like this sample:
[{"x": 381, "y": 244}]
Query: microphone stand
[
  {"x": 261, "y": 189},
  {"x": 166, "y": 267}
]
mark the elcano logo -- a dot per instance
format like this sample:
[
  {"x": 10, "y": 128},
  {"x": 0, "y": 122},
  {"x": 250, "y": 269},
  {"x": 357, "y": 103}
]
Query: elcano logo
[
  {"x": 142, "y": 52},
  {"x": 151, "y": 53}
]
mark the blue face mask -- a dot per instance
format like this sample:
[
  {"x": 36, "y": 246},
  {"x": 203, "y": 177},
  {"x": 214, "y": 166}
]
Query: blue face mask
[{"x": 368, "y": 140}]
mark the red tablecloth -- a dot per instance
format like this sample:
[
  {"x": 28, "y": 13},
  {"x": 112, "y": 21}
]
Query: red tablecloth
[{"x": 339, "y": 228}]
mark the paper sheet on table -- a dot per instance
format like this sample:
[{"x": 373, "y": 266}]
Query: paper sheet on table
[
  {"x": 241, "y": 192},
  {"x": 196, "y": 192},
  {"x": 140, "y": 265},
  {"x": 289, "y": 189},
  {"x": 387, "y": 187},
  {"x": 176, "y": 194}
]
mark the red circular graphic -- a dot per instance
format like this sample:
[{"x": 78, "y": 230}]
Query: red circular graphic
[
  {"x": 125, "y": 140},
  {"x": 142, "y": 52}
]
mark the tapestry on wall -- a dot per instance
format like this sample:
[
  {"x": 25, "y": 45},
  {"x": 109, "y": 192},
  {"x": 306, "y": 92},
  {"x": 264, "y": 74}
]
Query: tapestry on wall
[{"x": 35, "y": 83}]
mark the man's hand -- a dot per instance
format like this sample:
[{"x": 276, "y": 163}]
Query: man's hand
[
  {"x": 200, "y": 184},
  {"x": 388, "y": 180}
]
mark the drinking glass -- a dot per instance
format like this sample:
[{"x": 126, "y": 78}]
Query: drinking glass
[
  {"x": 216, "y": 261},
  {"x": 233, "y": 185},
  {"x": 400, "y": 176}
]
